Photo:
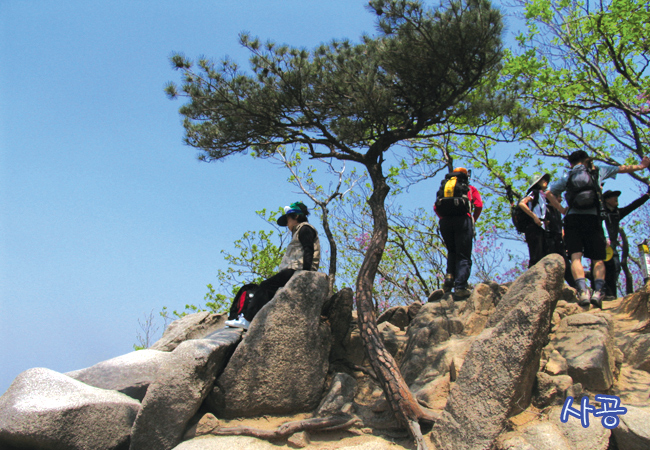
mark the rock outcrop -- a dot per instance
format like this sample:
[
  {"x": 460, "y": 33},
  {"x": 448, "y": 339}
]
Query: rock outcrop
[
  {"x": 586, "y": 342},
  {"x": 191, "y": 326},
  {"x": 496, "y": 368},
  {"x": 281, "y": 364},
  {"x": 174, "y": 398},
  {"x": 499, "y": 370},
  {"x": 130, "y": 374},
  {"x": 43, "y": 409}
]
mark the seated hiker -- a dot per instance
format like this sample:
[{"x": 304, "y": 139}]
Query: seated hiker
[
  {"x": 534, "y": 205},
  {"x": 303, "y": 253},
  {"x": 613, "y": 217}
]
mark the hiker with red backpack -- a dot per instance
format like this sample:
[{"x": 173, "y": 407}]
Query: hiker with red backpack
[
  {"x": 303, "y": 253},
  {"x": 458, "y": 205},
  {"x": 583, "y": 229}
]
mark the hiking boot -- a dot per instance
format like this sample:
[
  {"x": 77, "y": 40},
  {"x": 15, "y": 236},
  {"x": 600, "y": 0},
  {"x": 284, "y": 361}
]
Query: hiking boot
[
  {"x": 449, "y": 283},
  {"x": 462, "y": 294},
  {"x": 597, "y": 299},
  {"x": 241, "y": 322},
  {"x": 584, "y": 297}
]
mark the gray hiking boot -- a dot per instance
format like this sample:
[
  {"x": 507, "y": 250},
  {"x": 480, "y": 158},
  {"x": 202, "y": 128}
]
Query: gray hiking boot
[
  {"x": 597, "y": 299},
  {"x": 584, "y": 297},
  {"x": 462, "y": 294}
]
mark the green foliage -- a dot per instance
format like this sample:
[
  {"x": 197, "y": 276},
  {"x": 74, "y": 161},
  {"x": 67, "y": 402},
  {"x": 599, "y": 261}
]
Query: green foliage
[{"x": 585, "y": 65}]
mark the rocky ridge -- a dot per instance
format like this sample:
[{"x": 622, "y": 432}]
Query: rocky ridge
[{"x": 496, "y": 367}]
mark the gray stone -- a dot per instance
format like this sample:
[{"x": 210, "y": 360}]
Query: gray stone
[
  {"x": 478, "y": 308},
  {"x": 422, "y": 360},
  {"x": 341, "y": 393},
  {"x": 281, "y": 365},
  {"x": 338, "y": 310},
  {"x": 556, "y": 364},
  {"x": 498, "y": 373},
  {"x": 177, "y": 394},
  {"x": 535, "y": 278},
  {"x": 299, "y": 440},
  {"x": 596, "y": 437},
  {"x": 551, "y": 390},
  {"x": 586, "y": 342},
  {"x": 43, "y": 409},
  {"x": 414, "y": 309},
  {"x": 191, "y": 326},
  {"x": 636, "y": 347},
  {"x": 538, "y": 436},
  {"x": 394, "y": 339},
  {"x": 633, "y": 431},
  {"x": 397, "y": 315},
  {"x": 552, "y": 434},
  {"x": 130, "y": 374}
]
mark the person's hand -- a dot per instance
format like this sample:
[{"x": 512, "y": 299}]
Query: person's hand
[
  {"x": 645, "y": 162},
  {"x": 537, "y": 221}
]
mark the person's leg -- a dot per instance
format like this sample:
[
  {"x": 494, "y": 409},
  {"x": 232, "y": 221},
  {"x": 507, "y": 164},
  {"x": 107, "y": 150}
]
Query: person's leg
[
  {"x": 448, "y": 233},
  {"x": 577, "y": 270},
  {"x": 266, "y": 291},
  {"x": 535, "y": 241},
  {"x": 612, "y": 272},
  {"x": 464, "y": 236}
]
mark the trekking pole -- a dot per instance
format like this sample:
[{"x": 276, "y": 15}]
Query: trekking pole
[{"x": 644, "y": 253}]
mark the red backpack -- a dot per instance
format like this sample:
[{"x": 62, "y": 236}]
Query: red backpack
[{"x": 241, "y": 300}]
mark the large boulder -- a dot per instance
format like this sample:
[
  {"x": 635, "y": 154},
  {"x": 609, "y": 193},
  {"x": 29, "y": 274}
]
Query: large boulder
[
  {"x": 281, "y": 364},
  {"x": 433, "y": 324},
  {"x": 338, "y": 310},
  {"x": 191, "y": 326},
  {"x": 43, "y": 409},
  {"x": 534, "y": 279},
  {"x": 478, "y": 307},
  {"x": 552, "y": 434},
  {"x": 130, "y": 374},
  {"x": 586, "y": 341},
  {"x": 498, "y": 373},
  {"x": 633, "y": 431},
  {"x": 183, "y": 384}
]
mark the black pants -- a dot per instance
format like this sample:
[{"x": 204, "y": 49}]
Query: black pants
[
  {"x": 612, "y": 271},
  {"x": 555, "y": 244},
  {"x": 266, "y": 291},
  {"x": 457, "y": 233},
  {"x": 535, "y": 240}
]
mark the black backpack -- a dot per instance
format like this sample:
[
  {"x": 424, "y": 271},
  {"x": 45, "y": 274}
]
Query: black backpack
[
  {"x": 241, "y": 299},
  {"x": 452, "y": 198},
  {"x": 520, "y": 219},
  {"x": 582, "y": 188}
]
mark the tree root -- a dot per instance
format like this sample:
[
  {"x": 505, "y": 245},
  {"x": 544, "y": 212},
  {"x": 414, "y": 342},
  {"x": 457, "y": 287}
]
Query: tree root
[{"x": 329, "y": 423}]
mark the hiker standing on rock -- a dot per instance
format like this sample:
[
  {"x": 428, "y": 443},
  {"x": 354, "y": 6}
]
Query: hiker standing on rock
[
  {"x": 613, "y": 217},
  {"x": 535, "y": 207},
  {"x": 303, "y": 253},
  {"x": 458, "y": 205},
  {"x": 583, "y": 230}
]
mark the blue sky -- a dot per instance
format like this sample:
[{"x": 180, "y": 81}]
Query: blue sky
[{"x": 104, "y": 214}]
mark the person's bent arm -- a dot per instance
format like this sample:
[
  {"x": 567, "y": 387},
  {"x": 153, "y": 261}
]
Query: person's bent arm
[
  {"x": 645, "y": 162},
  {"x": 523, "y": 204}
]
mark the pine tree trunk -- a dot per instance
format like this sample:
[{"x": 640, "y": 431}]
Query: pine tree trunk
[{"x": 406, "y": 409}]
